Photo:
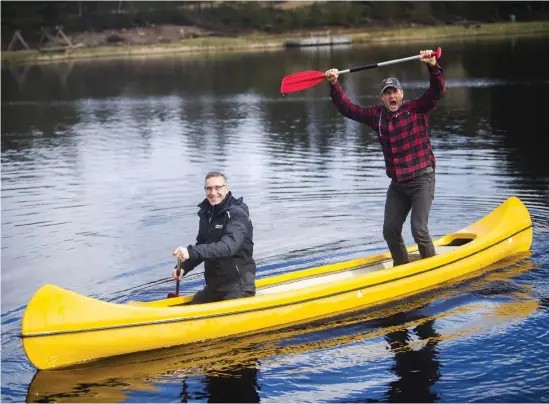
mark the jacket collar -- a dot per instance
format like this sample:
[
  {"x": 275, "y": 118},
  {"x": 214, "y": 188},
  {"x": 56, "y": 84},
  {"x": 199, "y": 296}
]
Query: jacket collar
[{"x": 205, "y": 206}]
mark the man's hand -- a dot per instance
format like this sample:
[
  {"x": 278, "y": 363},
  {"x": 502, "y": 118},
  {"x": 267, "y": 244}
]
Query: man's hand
[
  {"x": 182, "y": 253},
  {"x": 331, "y": 75},
  {"x": 428, "y": 56},
  {"x": 175, "y": 276}
]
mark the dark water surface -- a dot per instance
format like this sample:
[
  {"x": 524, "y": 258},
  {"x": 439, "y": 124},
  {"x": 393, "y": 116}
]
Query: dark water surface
[{"x": 103, "y": 165}]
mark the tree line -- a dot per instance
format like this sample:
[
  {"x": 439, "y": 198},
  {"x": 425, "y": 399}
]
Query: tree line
[{"x": 238, "y": 17}]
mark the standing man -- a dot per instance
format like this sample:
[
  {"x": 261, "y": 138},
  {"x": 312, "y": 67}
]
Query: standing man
[
  {"x": 402, "y": 129},
  {"x": 224, "y": 243}
]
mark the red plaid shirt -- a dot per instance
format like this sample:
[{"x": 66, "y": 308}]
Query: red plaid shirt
[{"x": 403, "y": 135}]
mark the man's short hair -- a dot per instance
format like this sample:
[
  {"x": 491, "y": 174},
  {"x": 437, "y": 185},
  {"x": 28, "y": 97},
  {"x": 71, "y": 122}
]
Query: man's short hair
[{"x": 212, "y": 174}]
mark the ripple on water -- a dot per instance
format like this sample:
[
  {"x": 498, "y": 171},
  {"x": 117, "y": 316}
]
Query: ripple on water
[{"x": 100, "y": 182}]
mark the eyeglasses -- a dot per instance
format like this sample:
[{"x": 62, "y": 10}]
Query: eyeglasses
[{"x": 214, "y": 188}]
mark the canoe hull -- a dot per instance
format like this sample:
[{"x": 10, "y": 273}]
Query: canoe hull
[{"x": 62, "y": 328}]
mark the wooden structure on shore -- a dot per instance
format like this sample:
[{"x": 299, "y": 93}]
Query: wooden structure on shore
[
  {"x": 17, "y": 36},
  {"x": 319, "y": 41},
  {"x": 59, "y": 38},
  {"x": 60, "y": 42}
]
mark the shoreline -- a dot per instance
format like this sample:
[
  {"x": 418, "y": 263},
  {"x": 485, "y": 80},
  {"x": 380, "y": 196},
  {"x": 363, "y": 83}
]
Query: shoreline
[{"x": 264, "y": 42}]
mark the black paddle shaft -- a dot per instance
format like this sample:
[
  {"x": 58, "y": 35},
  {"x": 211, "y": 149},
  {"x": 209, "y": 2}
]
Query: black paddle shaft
[
  {"x": 359, "y": 68},
  {"x": 178, "y": 273}
]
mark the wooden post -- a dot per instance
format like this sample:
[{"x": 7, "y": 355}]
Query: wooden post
[
  {"x": 42, "y": 37},
  {"x": 62, "y": 34},
  {"x": 17, "y": 35}
]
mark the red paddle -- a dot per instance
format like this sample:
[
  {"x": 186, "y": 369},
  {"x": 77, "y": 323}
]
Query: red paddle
[
  {"x": 176, "y": 294},
  {"x": 304, "y": 80}
]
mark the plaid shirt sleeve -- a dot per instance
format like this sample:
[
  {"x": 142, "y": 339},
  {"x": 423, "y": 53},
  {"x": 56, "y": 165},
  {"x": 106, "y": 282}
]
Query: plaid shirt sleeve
[
  {"x": 427, "y": 102},
  {"x": 365, "y": 114}
]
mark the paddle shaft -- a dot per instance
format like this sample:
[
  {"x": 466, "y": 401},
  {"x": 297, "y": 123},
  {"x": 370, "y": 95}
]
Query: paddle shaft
[
  {"x": 178, "y": 280},
  {"x": 176, "y": 294},
  {"x": 381, "y": 64}
]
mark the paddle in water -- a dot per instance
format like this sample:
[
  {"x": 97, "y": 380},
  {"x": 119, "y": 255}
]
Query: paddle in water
[
  {"x": 176, "y": 294},
  {"x": 304, "y": 80}
]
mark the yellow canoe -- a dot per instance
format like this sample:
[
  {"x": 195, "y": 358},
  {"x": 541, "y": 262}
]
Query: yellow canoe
[
  {"x": 62, "y": 328},
  {"x": 145, "y": 370}
]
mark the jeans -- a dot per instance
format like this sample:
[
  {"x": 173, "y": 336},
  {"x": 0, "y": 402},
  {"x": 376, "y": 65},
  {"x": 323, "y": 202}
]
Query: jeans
[
  {"x": 416, "y": 195},
  {"x": 205, "y": 296}
]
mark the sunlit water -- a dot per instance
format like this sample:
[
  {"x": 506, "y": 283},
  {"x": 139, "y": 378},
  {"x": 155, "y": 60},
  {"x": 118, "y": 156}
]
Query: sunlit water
[{"x": 103, "y": 166}]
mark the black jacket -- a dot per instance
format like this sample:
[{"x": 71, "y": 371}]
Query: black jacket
[{"x": 225, "y": 244}]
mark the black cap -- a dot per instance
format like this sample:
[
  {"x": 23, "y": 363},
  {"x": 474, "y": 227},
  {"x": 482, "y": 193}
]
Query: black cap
[{"x": 390, "y": 82}]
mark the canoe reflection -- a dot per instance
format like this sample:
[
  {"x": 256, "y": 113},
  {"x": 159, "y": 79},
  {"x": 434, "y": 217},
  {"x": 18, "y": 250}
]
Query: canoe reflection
[{"x": 230, "y": 370}]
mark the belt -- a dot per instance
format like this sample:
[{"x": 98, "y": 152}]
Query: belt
[{"x": 425, "y": 170}]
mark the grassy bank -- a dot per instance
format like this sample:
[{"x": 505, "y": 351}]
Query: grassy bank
[{"x": 277, "y": 41}]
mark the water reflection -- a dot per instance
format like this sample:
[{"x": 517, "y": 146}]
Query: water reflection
[
  {"x": 101, "y": 162},
  {"x": 416, "y": 370},
  {"x": 499, "y": 112},
  {"x": 235, "y": 384}
]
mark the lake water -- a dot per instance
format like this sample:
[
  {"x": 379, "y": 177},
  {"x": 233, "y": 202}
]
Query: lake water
[{"x": 103, "y": 165}]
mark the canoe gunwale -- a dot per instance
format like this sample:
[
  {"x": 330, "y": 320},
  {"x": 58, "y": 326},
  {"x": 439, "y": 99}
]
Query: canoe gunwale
[{"x": 293, "y": 302}]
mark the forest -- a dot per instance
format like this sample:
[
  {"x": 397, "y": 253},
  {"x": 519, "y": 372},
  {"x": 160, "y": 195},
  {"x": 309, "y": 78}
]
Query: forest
[{"x": 234, "y": 18}]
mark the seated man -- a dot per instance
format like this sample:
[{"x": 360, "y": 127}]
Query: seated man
[{"x": 224, "y": 243}]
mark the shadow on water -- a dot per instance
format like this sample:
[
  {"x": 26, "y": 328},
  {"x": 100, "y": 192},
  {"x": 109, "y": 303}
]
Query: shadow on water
[
  {"x": 235, "y": 384},
  {"x": 230, "y": 370},
  {"x": 415, "y": 370}
]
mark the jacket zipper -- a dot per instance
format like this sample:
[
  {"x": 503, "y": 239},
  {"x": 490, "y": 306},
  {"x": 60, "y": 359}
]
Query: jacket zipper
[{"x": 238, "y": 273}]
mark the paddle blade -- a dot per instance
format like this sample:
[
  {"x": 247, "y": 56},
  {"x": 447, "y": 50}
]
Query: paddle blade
[
  {"x": 172, "y": 294},
  {"x": 300, "y": 81}
]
